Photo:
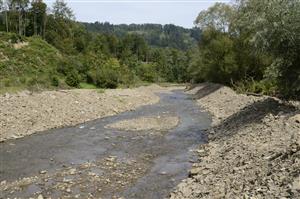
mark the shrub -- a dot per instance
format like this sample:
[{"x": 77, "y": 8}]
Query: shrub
[
  {"x": 147, "y": 72},
  {"x": 7, "y": 82},
  {"x": 73, "y": 79},
  {"x": 32, "y": 81},
  {"x": 22, "y": 80},
  {"x": 107, "y": 78},
  {"x": 55, "y": 81}
]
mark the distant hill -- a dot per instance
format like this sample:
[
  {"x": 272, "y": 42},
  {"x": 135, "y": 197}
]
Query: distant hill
[{"x": 155, "y": 34}]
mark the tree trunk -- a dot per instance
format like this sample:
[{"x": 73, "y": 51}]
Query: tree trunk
[
  {"x": 20, "y": 23},
  {"x": 34, "y": 24},
  {"x": 24, "y": 24},
  {"x": 6, "y": 20},
  {"x": 45, "y": 25}
]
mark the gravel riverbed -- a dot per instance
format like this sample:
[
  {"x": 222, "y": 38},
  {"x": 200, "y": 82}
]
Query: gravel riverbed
[
  {"x": 25, "y": 113},
  {"x": 253, "y": 149}
]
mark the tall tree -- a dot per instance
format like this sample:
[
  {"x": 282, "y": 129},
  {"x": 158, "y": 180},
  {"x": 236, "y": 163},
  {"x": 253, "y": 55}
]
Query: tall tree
[
  {"x": 274, "y": 28},
  {"x": 218, "y": 17},
  {"x": 4, "y": 9},
  {"x": 62, "y": 11},
  {"x": 39, "y": 17}
]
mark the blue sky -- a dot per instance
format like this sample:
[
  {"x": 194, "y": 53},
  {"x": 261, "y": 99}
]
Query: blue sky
[{"x": 177, "y": 12}]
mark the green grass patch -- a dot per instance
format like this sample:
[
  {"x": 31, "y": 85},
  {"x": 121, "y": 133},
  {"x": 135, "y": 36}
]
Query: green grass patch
[
  {"x": 87, "y": 86},
  {"x": 10, "y": 90},
  {"x": 100, "y": 90}
]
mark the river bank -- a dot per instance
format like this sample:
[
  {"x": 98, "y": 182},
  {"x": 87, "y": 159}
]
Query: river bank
[
  {"x": 253, "y": 149},
  {"x": 25, "y": 113}
]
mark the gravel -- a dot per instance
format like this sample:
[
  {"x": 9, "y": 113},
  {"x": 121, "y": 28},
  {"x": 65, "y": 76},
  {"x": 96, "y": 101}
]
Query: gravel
[
  {"x": 253, "y": 149},
  {"x": 25, "y": 113}
]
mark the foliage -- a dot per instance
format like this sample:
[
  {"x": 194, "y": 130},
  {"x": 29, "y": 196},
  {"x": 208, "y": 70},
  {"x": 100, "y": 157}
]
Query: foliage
[
  {"x": 27, "y": 62},
  {"x": 253, "y": 45},
  {"x": 72, "y": 79},
  {"x": 217, "y": 17},
  {"x": 147, "y": 72},
  {"x": 275, "y": 30},
  {"x": 56, "y": 51},
  {"x": 154, "y": 34},
  {"x": 55, "y": 81},
  {"x": 254, "y": 39}
]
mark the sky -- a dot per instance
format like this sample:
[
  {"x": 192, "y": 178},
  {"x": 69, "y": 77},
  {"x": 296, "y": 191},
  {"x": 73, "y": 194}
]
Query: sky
[{"x": 178, "y": 12}]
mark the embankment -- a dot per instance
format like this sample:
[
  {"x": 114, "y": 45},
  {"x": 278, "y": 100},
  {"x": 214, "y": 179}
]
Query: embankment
[{"x": 253, "y": 149}]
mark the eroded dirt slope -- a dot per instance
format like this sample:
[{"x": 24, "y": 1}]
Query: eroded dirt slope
[{"x": 253, "y": 149}]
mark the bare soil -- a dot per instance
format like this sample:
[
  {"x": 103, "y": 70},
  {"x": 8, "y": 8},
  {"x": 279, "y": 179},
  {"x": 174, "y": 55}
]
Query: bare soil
[
  {"x": 253, "y": 149},
  {"x": 25, "y": 113}
]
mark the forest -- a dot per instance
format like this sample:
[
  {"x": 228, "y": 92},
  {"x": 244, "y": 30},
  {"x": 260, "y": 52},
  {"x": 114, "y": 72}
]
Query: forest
[
  {"x": 250, "y": 45},
  {"x": 156, "y": 35}
]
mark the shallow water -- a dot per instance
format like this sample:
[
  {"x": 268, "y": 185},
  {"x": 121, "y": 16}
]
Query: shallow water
[{"x": 170, "y": 151}]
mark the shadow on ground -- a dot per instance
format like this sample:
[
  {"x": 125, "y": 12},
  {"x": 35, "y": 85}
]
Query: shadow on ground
[
  {"x": 252, "y": 114},
  {"x": 205, "y": 89}
]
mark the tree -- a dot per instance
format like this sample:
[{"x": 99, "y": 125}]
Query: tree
[
  {"x": 274, "y": 28},
  {"x": 38, "y": 17},
  {"x": 62, "y": 11},
  {"x": 4, "y": 9},
  {"x": 20, "y": 7},
  {"x": 217, "y": 17}
]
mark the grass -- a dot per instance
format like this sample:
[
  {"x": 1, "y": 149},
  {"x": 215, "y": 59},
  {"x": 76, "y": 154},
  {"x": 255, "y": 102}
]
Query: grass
[
  {"x": 87, "y": 86},
  {"x": 11, "y": 90},
  {"x": 100, "y": 90},
  {"x": 168, "y": 84}
]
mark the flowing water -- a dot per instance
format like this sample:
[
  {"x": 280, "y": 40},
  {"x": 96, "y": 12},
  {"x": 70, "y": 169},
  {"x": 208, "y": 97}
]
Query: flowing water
[{"x": 167, "y": 156}]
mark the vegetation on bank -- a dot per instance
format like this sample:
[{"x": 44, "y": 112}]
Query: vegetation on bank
[
  {"x": 251, "y": 45},
  {"x": 41, "y": 50}
]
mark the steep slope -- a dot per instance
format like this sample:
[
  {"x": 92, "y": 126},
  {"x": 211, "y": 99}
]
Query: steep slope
[{"x": 27, "y": 61}]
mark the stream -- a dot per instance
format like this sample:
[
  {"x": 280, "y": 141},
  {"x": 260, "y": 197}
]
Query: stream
[{"x": 90, "y": 161}]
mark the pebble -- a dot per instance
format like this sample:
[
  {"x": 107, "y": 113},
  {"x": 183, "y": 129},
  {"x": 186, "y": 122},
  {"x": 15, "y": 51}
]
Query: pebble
[
  {"x": 43, "y": 172},
  {"x": 68, "y": 190},
  {"x": 40, "y": 197}
]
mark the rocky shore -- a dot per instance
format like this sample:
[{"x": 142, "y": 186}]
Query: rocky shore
[
  {"x": 253, "y": 149},
  {"x": 25, "y": 113}
]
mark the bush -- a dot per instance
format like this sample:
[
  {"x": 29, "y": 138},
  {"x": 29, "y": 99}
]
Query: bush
[
  {"x": 32, "y": 81},
  {"x": 7, "y": 82},
  {"x": 55, "y": 81},
  {"x": 73, "y": 79},
  {"x": 15, "y": 38},
  {"x": 107, "y": 78},
  {"x": 22, "y": 80},
  {"x": 147, "y": 72}
]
